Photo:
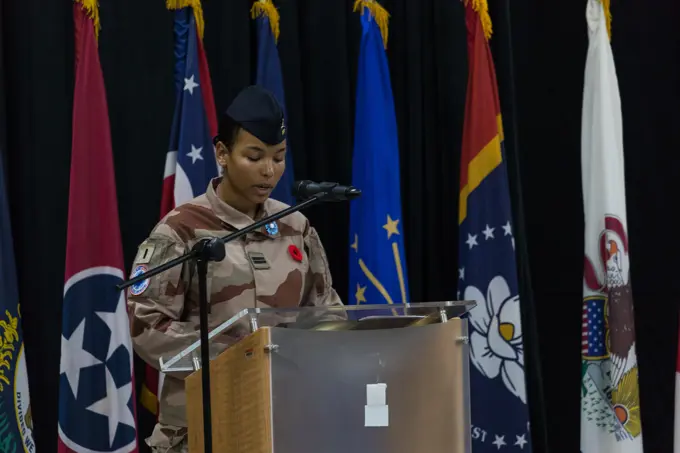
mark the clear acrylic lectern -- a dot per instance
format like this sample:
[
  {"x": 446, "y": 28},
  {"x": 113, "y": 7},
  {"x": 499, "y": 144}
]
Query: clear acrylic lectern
[{"x": 348, "y": 379}]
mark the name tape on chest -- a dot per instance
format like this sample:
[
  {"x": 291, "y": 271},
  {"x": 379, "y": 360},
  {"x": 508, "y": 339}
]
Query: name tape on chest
[{"x": 258, "y": 260}]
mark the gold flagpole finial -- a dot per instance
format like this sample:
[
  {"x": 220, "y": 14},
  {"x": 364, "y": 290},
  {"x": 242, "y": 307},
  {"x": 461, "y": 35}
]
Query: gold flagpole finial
[
  {"x": 606, "y": 6},
  {"x": 481, "y": 7},
  {"x": 267, "y": 8},
  {"x": 379, "y": 13},
  {"x": 92, "y": 9},
  {"x": 196, "y": 6}
]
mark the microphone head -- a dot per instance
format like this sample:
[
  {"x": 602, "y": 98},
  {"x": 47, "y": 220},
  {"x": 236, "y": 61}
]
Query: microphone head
[
  {"x": 329, "y": 191},
  {"x": 352, "y": 192},
  {"x": 300, "y": 186}
]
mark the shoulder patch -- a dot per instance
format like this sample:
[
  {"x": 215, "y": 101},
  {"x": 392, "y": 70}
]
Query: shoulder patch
[{"x": 139, "y": 288}]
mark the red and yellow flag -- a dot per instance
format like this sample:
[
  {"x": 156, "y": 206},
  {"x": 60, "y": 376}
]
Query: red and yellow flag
[
  {"x": 483, "y": 128},
  {"x": 487, "y": 270}
]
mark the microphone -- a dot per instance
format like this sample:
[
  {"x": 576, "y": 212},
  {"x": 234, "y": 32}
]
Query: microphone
[{"x": 330, "y": 191}]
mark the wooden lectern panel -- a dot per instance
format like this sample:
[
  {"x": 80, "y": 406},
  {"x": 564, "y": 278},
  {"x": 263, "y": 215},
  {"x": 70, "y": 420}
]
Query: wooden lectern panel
[{"x": 240, "y": 390}]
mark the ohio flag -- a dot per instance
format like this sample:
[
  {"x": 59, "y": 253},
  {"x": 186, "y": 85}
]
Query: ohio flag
[
  {"x": 610, "y": 402},
  {"x": 96, "y": 391},
  {"x": 190, "y": 162}
]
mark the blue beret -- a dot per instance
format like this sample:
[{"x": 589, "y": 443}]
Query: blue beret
[{"x": 256, "y": 110}]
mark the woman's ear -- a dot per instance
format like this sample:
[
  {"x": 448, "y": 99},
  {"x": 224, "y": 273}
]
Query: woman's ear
[{"x": 221, "y": 151}]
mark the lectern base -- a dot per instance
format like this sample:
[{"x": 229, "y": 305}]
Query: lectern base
[{"x": 287, "y": 390}]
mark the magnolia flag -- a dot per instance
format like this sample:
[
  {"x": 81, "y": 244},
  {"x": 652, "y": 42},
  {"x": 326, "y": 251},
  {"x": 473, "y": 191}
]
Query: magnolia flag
[
  {"x": 499, "y": 412},
  {"x": 610, "y": 404}
]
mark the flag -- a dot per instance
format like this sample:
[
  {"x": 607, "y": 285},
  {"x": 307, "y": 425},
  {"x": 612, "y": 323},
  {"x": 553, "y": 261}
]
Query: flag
[
  {"x": 192, "y": 155},
  {"x": 610, "y": 402},
  {"x": 190, "y": 162},
  {"x": 487, "y": 270},
  {"x": 16, "y": 421},
  {"x": 377, "y": 269},
  {"x": 269, "y": 76},
  {"x": 96, "y": 392}
]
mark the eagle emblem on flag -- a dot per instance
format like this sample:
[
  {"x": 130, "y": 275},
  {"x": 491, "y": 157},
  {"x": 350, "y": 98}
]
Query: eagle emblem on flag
[{"x": 608, "y": 336}]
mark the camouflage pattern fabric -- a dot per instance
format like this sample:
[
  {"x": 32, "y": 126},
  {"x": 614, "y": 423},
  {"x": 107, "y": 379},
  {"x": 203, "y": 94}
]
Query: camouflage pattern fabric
[{"x": 282, "y": 265}]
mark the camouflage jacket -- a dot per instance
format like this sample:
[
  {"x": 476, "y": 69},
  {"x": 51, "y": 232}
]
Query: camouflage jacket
[{"x": 282, "y": 265}]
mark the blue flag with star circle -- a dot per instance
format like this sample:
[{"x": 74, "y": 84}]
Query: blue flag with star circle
[{"x": 377, "y": 270}]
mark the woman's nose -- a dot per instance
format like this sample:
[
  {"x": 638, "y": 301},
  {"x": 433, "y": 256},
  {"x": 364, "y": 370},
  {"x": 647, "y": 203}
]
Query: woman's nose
[{"x": 268, "y": 169}]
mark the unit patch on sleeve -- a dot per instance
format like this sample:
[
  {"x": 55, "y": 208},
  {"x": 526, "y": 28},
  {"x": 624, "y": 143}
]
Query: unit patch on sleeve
[{"x": 140, "y": 287}]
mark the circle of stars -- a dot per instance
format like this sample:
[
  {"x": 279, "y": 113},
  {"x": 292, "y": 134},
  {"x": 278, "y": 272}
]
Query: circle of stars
[{"x": 489, "y": 233}]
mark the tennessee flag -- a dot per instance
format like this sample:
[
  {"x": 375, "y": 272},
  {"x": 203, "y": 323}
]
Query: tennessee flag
[
  {"x": 487, "y": 273},
  {"x": 610, "y": 400},
  {"x": 377, "y": 270},
  {"x": 96, "y": 391},
  {"x": 190, "y": 162}
]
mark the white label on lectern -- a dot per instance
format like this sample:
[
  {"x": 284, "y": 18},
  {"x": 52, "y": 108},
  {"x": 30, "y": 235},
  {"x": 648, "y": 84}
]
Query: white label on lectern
[{"x": 376, "y": 411}]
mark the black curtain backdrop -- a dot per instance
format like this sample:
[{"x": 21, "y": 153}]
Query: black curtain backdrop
[{"x": 539, "y": 48}]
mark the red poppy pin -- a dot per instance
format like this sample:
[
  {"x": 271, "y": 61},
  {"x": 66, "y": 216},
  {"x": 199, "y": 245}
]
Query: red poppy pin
[{"x": 295, "y": 253}]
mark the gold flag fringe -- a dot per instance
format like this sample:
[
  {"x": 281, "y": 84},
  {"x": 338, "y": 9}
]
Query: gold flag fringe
[
  {"x": 267, "y": 8},
  {"x": 92, "y": 9},
  {"x": 606, "y": 5},
  {"x": 481, "y": 7},
  {"x": 195, "y": 5},
  {"x": 379, "y": 13}
]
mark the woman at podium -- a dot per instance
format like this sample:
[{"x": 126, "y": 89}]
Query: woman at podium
[{"x": 281, "y": 265}]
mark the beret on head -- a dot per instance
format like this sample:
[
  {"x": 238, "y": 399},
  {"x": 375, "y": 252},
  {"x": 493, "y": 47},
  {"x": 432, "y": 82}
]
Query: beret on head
[{"x": 257, "y": 111}]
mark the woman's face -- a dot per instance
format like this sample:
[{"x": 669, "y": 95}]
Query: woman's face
[{"x": 252, "y": 168}]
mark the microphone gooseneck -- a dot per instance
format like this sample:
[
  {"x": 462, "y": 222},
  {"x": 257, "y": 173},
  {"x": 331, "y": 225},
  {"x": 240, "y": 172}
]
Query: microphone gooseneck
[{"x": 330, "y": 191}]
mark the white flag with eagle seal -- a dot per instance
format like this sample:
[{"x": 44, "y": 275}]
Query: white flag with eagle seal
[{"x": 610, "y": 403}]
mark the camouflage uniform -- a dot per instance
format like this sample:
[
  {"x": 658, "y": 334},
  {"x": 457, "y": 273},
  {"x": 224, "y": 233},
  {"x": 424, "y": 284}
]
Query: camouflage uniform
[{"x": 165, "y": 316}]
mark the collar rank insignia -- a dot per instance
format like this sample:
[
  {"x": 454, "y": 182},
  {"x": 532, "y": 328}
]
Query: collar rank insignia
[{"x": 258, "y": 261}]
